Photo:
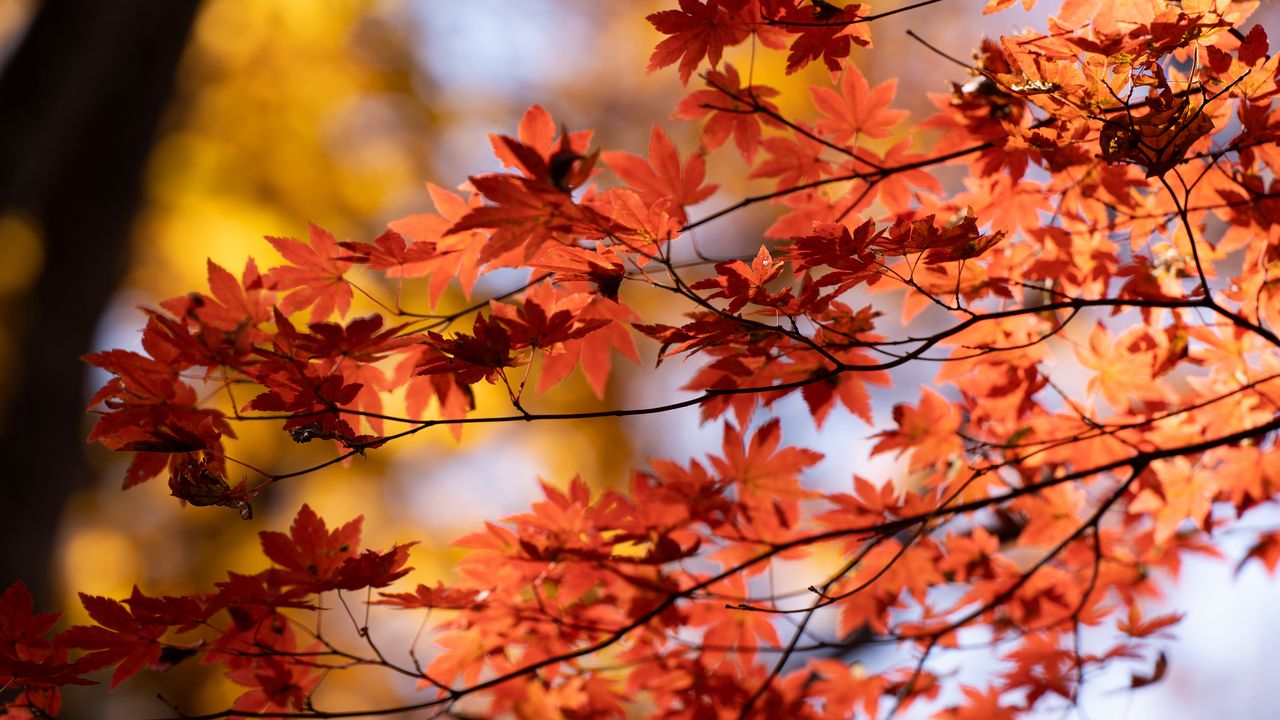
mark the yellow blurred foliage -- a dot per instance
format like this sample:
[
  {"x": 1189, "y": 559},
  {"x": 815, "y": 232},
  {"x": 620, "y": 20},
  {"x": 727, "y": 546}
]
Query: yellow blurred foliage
[
  {"x": 103, "y": 560},
  {"x": 23, "y": 253},
  {"x": 278, "y": 122}
]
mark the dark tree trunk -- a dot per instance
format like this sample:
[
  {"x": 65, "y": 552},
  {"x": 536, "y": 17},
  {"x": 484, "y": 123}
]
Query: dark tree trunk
[{"x": 80, "y": 101}]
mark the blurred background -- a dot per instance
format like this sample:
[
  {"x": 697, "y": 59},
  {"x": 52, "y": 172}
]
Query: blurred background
[{"x": 138, "y": 138}]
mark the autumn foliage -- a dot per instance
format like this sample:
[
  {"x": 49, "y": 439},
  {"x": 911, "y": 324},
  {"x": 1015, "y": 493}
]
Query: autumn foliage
[{"x": 1096, "y": 295}]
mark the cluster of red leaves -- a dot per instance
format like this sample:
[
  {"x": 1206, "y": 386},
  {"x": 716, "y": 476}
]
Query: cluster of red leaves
[
  {"x": 1114, "y": 232},
  {"x": 243, "y": 625}
]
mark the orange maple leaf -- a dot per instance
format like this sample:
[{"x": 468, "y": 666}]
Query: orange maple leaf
[{"x": 314, "y": 278}]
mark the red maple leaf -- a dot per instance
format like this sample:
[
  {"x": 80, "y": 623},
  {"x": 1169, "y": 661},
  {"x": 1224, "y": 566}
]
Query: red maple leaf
[
  {"x": 847, "y": 256},
  {"x": 126, "y": 637},
  {"x": 310, "y": 393},
  {"x": 389, "y": 251},
  {"x": 525, "y": 216},
  {"x": 593, "y": 352},
  {"x": 310, "y": 555},
  {"x": 374, "y": 569},
  {"x": 761, "y": 469},
  {"x": 740, "y": 283},
  {"x": 739, "y": 633},
  {"x": 857, "y": 109},
  {"x": 150, "y": 410},
  {"x": 546, "y": 319},
  {"x": 361, "y": 340},
  {"x": 662, "y": 177},
  {"x": 929, "y": 430},
  {"x": 470, "y": 358},
  {"x": 31, "y": 665},
  {"x": 457, "y": 254},
  {"x": 314, "y": 277},
  {"x": 602, "y": 267},
  {"x": 697, "y": 30},
  {"x": 278, "y": 683},
  {"x": 823, "y": 31},
  {"x": 234, "y": 304},
  {"x": 561, "y": 163},
  {"x": 732, "y": 109},
  {"x": 454, "y": 399},
  {"x": 440, "y": 596},
  {"x": 26, "y": 654},
  {"x": 794, "y": 161}
]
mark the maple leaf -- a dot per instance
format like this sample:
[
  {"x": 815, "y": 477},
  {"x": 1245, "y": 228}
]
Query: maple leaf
[
  {"x": 928, "y": 430},
  {"x": 696, "y": 30},
  {"x": 1041, "y": 666},
  {"x": 546, "y": 320},
  {"x": 526, "y": 216},
  {"x": 1158, "y": 671},
  {"x": 453, "y": 399},
  {"x": 457, "y": 255},
  {"x": 278, "y": 684},
  {"x": 312, "y": 395},
  {"x": 761, "y": 470},
  {"x": 706, "y": 331},
  {"x": 844, "y": 687},
  {"x": 33, "y": 702},
  {"x": 1053, "y": 515},
  {"x": 562, "y": 164},
  {"x": 858, "y": 109},
  {"x": 662, "y": 177},
  {"x": 253, "y": 603},
  {"x": 390, "y": 251},
  {"x": 849, "y": 388},
  {"x": 869, "y": 504},
  {"x": 732, "y": 109},
  {"x": 440, "y": 596},
  {"x": 371, "y": 569},
  {"x": 640, "y": 228},
  {"x": 26, "y": 655},
  {"x": 311, "y": 555},
  {"x": 1183, "y": 495},
  {"x": 970, "y": 555},
  {"x": 896, "y": 190},
  {"x": 740, "y": 632},
  {"x": 848, "y": 255},
  {"x": 470, "y": 358},
  {"x": 795, "y": 161},
  {"x": 1120, "y": 376},
  {"x": 1157, "y": 141},
  {"x": 196, "y": 479},
  {"x": 1135, "y": 626},
  {"x": 465, "y": 654},
  {"x": 1011, "y": 205},
  {"x": 362, "y": 340},
  {"x": 823, "y": 31},
  {"x": 152, "y": 411},
  {"x": 123, "y": 637},
  {"x": 603, "y": 329},
  {"x": 31, "y": 666},
  {"x": 235, "y": 305},
  {"x": 21, "y": 630},
  {"x": 602, "y": 267},
  {"x": 741, "y": 284},
  {"x": 314, "y": 278}
]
